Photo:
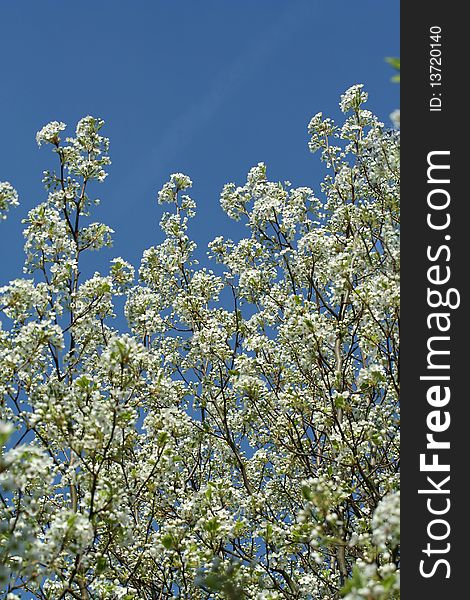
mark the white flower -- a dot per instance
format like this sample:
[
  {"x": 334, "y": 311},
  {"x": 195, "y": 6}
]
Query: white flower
[{"x": 50, "y": 133}]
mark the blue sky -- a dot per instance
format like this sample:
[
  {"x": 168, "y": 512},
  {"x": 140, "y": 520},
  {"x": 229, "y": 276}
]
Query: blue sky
[{"x": 205, "y": 87}]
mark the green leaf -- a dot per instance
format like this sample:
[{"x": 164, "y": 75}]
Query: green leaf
[
  {"x": 394, "y": 62},
  {"x": 101, "y": 565},
  {"x": 307, "y": 493},
  {"x": 212, "y": 525},
  {"x": 168, "y": 541},
  {"x": 162, "y": 438},
  {"x": 354, "y": 583}
]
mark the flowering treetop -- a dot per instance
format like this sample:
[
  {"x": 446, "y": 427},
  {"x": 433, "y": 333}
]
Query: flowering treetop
[{"x": 240, "y": 440}]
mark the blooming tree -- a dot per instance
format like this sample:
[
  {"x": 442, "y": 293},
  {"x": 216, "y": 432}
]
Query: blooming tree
[{"x": 240, "y": 438}]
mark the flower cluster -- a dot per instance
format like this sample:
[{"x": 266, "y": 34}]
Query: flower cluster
[
  {"x": 49, "y": 134},
  {"x": 8, "y": 198}
]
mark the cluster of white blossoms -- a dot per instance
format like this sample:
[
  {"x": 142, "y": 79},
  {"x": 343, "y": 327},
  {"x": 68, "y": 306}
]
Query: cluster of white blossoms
[
  {"x": 49, "y": 134},
  {"x": 8, "y": 198},
  {"x": 177, "y": 183},
  {"x": 353, "y": 99},
  {"x": 386, "y": 522},
  {"x": 239, "y": 439}
]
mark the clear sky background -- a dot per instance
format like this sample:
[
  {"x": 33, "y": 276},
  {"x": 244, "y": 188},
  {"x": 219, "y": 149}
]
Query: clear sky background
[{"x": 205, "y": 87}]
